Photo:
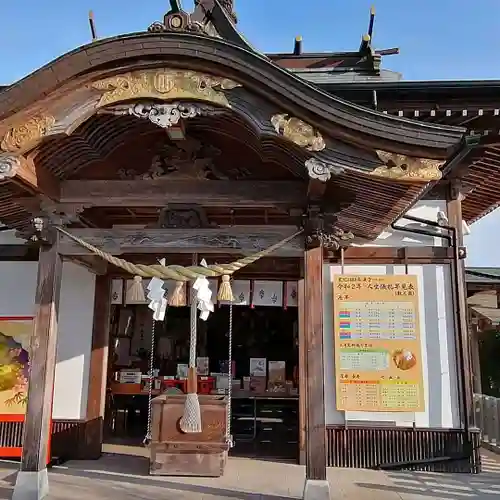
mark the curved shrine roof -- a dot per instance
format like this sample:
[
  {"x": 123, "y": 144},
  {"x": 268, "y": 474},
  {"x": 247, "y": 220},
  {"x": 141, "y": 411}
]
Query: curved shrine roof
[
  {"x": 335, "y": 116},
  {"x": 353, "y": 141}
]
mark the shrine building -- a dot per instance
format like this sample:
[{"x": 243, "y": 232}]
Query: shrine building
[{"x": 148, "y": 157}]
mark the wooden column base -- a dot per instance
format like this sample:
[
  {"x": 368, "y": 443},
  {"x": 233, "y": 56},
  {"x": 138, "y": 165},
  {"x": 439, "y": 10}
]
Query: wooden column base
[
  {"x": 31, "y": 485},
  {"x": 316, "y": 490}
]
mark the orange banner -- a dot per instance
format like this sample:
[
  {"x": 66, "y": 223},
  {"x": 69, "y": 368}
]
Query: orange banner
[
  {"x": 378, "y": 359},
  {"x": 15, "y": 336}
]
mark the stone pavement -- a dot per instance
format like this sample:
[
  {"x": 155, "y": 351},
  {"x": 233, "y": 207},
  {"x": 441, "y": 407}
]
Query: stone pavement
[{"x": 125, "y": 478}]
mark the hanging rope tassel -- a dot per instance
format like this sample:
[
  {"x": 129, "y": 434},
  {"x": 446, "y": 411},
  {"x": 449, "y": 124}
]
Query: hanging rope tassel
[
  {"x": 190, "y": 422},
  {"x": 225, "y": 292},
  {"x": 135, "y": 293},
  {"x": 178, "y": 296}
]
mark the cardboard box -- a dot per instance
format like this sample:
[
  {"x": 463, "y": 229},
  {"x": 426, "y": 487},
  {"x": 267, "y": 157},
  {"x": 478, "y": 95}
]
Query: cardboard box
[
  {"x": 129, "y": 377},
  {"x": 258, "y": 367},
  {"x": 246, "y": 383},
  {"x": 182, "y": 370},
  {"x": 277, "y": 376},
  {"x": 202, "y": 365},
  {"x": 258, "y": 384}
]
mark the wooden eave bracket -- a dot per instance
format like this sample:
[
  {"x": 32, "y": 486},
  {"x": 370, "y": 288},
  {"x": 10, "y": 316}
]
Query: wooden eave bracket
[{"x": 34, "y": 179}]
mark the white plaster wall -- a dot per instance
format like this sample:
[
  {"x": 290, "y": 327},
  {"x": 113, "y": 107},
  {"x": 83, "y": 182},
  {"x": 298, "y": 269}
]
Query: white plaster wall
[
  {"x": 9, "y": 238},
  {"x": 438, "y": 349},
  {"x": 425, "y": 209},
  {"x": 76, "y": 312}
]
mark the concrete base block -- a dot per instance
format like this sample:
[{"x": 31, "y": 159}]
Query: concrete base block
[
  {"x": 31, "y": 485},
  {"x": 316, "y": 490}
]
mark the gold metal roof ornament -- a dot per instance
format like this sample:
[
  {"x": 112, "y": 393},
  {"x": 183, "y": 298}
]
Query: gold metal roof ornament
[
  {"x": 298, "y": 132},
  {"x": 24, "y": 136},
  {"x": 407, "y": 169},
  {"x": 164, "y": 84}
]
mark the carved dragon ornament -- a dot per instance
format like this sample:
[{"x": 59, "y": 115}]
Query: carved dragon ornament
[
  {"x": 299, "y": 132},
  {"x": 23, "y": 137},
  {"x": 407, "y": 169}
]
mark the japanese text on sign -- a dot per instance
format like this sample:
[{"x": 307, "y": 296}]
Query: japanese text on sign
[{"x": 377, "y": 343}]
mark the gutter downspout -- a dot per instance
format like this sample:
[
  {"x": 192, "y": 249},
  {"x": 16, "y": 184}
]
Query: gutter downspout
[{"x": 459, "y": 345}]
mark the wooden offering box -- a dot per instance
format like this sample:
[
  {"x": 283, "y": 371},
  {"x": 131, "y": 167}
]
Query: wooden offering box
[{"x": 174, "y": 453}]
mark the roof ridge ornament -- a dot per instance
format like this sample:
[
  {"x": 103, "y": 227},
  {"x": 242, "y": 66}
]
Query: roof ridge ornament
[
  {"x": 177, "y": 20},
  {"x": 228, "y": 6},
  {"x": 201, "y": 20}
]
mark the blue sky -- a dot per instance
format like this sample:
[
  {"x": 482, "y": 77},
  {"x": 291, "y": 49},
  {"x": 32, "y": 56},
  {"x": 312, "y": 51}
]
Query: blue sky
[{"x": 439, "y": 39}]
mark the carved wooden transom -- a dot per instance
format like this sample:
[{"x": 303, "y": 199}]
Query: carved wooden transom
[{"x": 184, "y": 160}]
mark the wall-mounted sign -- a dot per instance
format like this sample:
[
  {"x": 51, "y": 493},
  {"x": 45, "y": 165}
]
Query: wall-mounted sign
[
  {"x": 378, "y": 360},
  {"x": 267, "y": 293},
  {"x": 15, "y": 337}
]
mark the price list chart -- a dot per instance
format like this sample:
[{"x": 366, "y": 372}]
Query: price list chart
[{"x": 377, "y": 343}]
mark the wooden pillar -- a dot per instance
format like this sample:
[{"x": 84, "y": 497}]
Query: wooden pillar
[
  {"x": 476, "y": 361},
  {"x": 316, "y": 484},
  {"x": 32, "y": 480},
  {"x": 454, "y": 209},
  {"x": 302, "y": 375},
  {"x": 98, "y": 369}
]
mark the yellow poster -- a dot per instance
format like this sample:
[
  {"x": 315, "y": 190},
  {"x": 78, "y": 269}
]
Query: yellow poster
[
  {"x": 378, "y": 360},
  {"x": 15, "y": 335}
]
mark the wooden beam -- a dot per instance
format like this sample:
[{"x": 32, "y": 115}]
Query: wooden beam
[
  {"x": 302, "y": 375},
  {"x": 234, "y": 239},
  {"x": 32, "y": 480},
  {"x": 93, "y": 263},
  {"x": 98, "y": 368},
  {"x": 368, "y": 254},
  {"x": 315, "y": 190},
  {"x": 160, "y": 192},
  {"x": 18, "y": 252},
  {"x": 314, "y": 373}
]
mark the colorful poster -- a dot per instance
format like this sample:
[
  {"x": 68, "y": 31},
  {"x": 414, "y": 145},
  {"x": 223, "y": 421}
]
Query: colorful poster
[
  {"x": 15, "y": 335},
  {"x": 378, "y": 361}
]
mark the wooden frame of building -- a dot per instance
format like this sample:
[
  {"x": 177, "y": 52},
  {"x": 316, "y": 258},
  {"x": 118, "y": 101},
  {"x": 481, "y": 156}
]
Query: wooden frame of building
[{"x": 261, "y": 151}]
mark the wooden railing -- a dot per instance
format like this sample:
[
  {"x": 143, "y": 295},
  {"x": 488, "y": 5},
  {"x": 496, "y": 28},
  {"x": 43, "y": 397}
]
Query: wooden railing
[{"x": 487, "y": 419}]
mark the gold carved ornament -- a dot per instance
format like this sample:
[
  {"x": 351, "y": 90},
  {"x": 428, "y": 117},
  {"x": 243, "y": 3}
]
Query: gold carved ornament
[
  {"x": 164, "y": 84},
  {"x": 23, "y": 137},
  {"x": 407, "y": 169},
  {"x": 298, "y": 132}
]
